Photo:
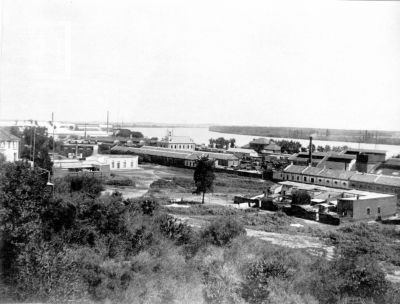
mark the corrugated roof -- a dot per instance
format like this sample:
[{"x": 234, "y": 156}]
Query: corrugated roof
[
  {"x": 364, "y": 177},
  {"x": 7, "y": 136},
  {"x": 295, "y": 169}
]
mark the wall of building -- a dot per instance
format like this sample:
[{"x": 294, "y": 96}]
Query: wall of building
[
  {"x": 380, "y": 206},
  {"x": 122, "y": 163},
  {"x": 10, "y": 149}
]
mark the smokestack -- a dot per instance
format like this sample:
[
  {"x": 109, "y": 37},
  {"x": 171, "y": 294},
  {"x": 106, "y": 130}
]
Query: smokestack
[{"x": 310, "y": 152}]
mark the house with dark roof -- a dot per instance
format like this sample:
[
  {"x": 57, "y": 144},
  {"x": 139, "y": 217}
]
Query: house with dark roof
[
  {"x": 9, "y": 145},
  {"x": 263, "y": 144},
  {"x": 366, "y": 159}
]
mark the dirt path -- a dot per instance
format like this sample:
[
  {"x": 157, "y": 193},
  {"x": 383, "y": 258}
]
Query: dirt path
[{"x": 312, "y": 244}]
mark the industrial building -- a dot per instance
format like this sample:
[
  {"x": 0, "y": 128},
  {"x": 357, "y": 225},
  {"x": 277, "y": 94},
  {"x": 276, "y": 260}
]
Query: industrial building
[{"x": 177, "y": 158}]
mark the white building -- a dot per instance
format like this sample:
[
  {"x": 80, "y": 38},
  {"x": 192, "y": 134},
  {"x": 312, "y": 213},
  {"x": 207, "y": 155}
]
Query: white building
[
  {"x": 177, "y": 143},
  {"x": 9, "y": 145},
  {"x": 116, "y": 162}
]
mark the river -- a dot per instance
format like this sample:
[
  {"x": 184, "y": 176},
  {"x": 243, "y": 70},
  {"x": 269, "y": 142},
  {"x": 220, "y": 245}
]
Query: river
[{"x": 202, "y": 135}]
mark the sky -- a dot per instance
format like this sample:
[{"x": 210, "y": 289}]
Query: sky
[{"x": 327, "y": 64}]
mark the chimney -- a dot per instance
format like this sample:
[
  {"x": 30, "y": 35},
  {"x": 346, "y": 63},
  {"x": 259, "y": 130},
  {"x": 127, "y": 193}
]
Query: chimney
[{"x": 310, "y": 152}]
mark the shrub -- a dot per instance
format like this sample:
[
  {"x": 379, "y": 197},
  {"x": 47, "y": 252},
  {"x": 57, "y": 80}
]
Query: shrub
[
  {"x": 222, "y": 230},
  {"x": 163, "y": 183},
  {"x": 301, "y": 197},
  {"x": 120, "y": 182}
]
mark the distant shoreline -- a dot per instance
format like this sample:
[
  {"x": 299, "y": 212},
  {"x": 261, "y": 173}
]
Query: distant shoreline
[{"x": 335, "y": 135}]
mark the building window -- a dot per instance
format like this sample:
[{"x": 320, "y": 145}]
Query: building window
[
  {"x": 327, "y": 181},
  {"x": 368, "y": 211},
  {"x": 312, "y": 179},
  {"x": 320, "y": 180},
  {"x": 131, "y": 164},
  {"x": 112, "y": 164},
  {"x": 15, "y": 156},
  {"x": 344, "y": 184},
  {"x": 298, "y": 178},
  {"x": 379, "y": 210},
  {"x": 14, "y": 144},
  {"x": 118, "y": 164},
  {"x": 175, "y": 146},
  {"x": 124, "y": 163},
  {"x": 305, "y": 178}
]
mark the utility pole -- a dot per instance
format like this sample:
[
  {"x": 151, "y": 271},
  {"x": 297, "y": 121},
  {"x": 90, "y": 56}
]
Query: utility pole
[
  {"x": 34, "y": 140},
  {"x": 107, "y": 123},
  {"x": 52, "y": 122}
]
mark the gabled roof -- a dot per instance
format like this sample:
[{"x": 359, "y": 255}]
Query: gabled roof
[
  {"x": 7, "y": 136},
  {"x": 388, "y": 180},
  {"x": 364, "y": 177},
  {"x": 246, "y": 146},
  {"x": 339, "y": 174},
  {"x": 295, "y": 169},
  {"x": 312, "y": 171}
]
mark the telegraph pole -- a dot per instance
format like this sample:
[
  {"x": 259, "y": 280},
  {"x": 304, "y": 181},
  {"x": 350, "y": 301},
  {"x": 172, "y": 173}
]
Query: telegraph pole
[{"x": 52, "y": 122}]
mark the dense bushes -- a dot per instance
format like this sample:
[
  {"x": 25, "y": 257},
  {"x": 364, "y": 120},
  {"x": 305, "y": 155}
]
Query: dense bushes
[
  {"x": 120, "y": 181},
  {"x": 79, "y": 246},
  {"x": 163, "y": 183},
  {"x": 221, "y": 231}
]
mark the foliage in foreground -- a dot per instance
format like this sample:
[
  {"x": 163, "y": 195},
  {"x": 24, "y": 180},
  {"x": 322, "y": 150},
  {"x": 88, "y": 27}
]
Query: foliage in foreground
[{"x": 80, "y": 247}]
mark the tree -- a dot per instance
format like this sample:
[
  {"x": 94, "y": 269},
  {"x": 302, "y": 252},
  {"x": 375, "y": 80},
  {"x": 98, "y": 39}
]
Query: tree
[
  {"x": 233, "y": 141},
  {"x": 221, "y": 142},
  {"x": 204, "y": 175},
  {"x": 301, "y": 197},
  {"x": 128, "y": 133},
  {"x": 37, "y": 144}
]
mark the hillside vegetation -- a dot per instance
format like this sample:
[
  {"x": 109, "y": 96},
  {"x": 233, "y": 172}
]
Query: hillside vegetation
[{"x": 78, "y": 246}]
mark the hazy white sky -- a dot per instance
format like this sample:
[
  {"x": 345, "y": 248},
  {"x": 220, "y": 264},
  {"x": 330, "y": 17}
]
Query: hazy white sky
[{"x": 333, "y": 64}]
